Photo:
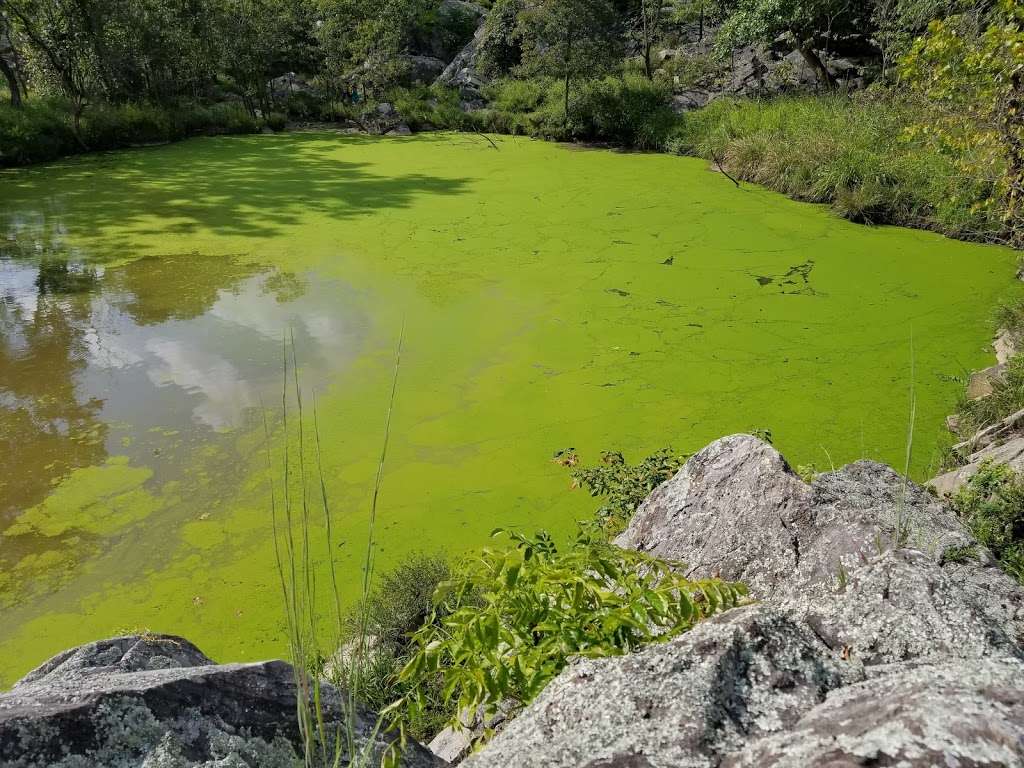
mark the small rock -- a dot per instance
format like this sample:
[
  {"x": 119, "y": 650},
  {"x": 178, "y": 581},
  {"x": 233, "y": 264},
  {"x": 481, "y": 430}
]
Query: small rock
[
  {"x": 1010, "y": 453},
  {"x": 1005, "y": 345},
  {"x": 981, "y": 382}
]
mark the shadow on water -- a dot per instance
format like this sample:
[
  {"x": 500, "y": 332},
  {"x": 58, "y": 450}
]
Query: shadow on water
[{"x": 251, "y": 186}]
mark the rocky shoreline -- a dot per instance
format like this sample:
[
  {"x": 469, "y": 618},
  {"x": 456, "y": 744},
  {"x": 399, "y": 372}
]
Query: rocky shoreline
[{"x": 871, "y": 640}]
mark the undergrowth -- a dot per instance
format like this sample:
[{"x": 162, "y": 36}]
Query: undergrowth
[
  {"x": 853, "y": 152},
  {"x": 991, "y": 504},
  {"x": 513, "y": 616},
  {"x": 43, "y": 129}
]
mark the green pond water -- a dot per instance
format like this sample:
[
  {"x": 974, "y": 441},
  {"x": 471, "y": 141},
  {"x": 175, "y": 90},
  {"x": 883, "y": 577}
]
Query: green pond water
[{"x": 552, "y": 297}]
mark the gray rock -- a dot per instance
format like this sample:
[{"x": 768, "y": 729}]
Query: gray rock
[
  {"x": 730, "y": 511},
  {"x": 685, "y": 703},
  {"x": 463, "y": 73},
  {"x": 918, "y": 717},
  {"x": 421, "y": 69},
  {"x": 157, "y": 701},
  {"x": 400, "y": 130},
  {"x": 871, "y": 643},
  {"x": 981, "y": 382},
  {"x": 1005, "y": 345},
  {"x": 1010, "y": 453}
]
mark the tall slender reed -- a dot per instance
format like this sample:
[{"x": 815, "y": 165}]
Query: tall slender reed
[
  {"x": 902, "y": 523},
  {"x": 323, "y": 743}
]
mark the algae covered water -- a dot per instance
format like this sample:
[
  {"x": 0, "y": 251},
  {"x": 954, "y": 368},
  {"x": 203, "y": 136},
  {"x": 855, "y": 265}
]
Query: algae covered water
[{"x": 552, "y": 298}]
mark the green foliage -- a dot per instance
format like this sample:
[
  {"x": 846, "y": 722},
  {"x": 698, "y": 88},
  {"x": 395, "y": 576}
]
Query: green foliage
[
  {"x": 514, "y": 616},
  {"x": 850, "y": 151},
  {"x": 632, "y": 111},
  {"x": 568, "y": 40},
  {"x": 501, "y": 46},
  {"x": 276, "y": 121},
  {"x": 1007, "y": 397},
  {"x": 43, "y": 129},
  {"x": 623, "y": 486},
  {"x": 992, "y": 506},
  {"x": 975, "y": 77},
  {"x": 399, "y": 605}
]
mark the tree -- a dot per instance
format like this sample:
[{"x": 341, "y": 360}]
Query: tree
[
  {"x": 569, "y": 39},
  {"x": 648, "y": 20},
  {"x": 365, "y": 38},
  {"x": 64, "y": 51},
  {"x": 8, "y": 62},
  {"x": 803, "y": 23},
  {"x": 976, "y": 80}
]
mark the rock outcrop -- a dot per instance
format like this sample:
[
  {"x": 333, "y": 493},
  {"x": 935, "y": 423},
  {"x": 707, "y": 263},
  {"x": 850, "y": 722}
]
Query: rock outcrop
[
  {"x": 873, "y": 641},
  {"x": 158, "y": 702}
]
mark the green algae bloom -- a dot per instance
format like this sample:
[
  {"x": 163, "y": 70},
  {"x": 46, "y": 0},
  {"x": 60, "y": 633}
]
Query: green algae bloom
[{"x": 553, "y": 298}]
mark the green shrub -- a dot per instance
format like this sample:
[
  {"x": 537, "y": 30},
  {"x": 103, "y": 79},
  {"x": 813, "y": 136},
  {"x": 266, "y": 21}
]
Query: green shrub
[
  {"x": 624, "y": 486},
  {"x": 37, "y": 132},
  {"x": 276, "y": 121},
  {"x": 991, "y": 504},
  {"x": 230, "y": 118},
  {"x": 426, "y": 108},
  {"x": 632, "y": 111},
  {"x": 513, "y": 617},
  {"x": 109, "y": 127},
  {"x": 42, "y": 129}
]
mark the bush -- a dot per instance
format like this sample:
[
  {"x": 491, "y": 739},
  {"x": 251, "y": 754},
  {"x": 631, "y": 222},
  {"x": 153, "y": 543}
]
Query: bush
[
  {"x": 39, "y": 131},
  {"x": 109, "y": 127},
  {"x": 42, "y": 130},
  {"x": 991, "y": 504},
  {"x": 624, "y": 486},
  {"x": 513, "y": 617},
  {"x": 632, "y": 111},
  {"x": 276, "y": 121},
  {"x": 1007, "y": 398}
]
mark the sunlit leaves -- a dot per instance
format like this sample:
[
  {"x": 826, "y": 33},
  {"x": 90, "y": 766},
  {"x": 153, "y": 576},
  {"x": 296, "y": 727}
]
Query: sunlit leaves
[{"x": 514, "y": 616}]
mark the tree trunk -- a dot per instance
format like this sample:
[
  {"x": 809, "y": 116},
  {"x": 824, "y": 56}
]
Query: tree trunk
[
  {"x": 12, "y": 82},
  {"x": 1013, "y": 136},
  {"x": 568, "y": 72},
  {"x": 700, "y": 33},
  {"x": 824, "y": 76}
]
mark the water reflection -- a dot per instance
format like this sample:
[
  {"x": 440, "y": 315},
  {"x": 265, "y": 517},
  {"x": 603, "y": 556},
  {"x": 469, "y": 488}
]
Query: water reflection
[{"x": 99, "y": 362}]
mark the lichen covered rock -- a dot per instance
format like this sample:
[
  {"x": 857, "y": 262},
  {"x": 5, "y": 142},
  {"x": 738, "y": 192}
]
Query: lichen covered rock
[
  {"x": 873, "y": 641},
  {"x": 158, "y": 702}
]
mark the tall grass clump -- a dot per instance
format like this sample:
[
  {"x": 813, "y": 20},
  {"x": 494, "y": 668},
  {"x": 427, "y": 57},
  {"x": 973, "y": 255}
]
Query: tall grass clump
[
  {"x": 301, "y": 517},
  {"x": 854, "y": 152}
]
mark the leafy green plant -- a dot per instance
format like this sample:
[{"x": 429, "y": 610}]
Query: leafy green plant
[
  {"x": 991, "y": 504},
  {"x": 624, "y": 486},
  {"x": 514, "y": 616}
]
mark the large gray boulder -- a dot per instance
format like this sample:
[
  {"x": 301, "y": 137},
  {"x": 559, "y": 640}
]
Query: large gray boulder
[
  {"x": 874, "y": 640},
  {"x": 158, "y": 702}
]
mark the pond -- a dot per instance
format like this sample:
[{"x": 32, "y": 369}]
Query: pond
[{"x": 551, "y": 298}]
